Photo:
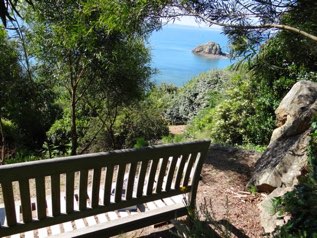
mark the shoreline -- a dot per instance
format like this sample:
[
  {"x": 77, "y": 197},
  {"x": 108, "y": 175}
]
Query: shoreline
[{"x": 210, "y": 56}]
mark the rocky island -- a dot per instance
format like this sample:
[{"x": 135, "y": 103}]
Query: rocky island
[{"x": 210, "y": 50}]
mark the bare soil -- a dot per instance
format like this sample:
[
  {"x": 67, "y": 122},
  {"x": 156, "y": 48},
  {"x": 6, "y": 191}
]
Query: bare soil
[{"x": 223, "y": 188}]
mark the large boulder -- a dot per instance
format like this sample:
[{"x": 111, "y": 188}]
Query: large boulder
[
  {"x": 210, "y": 49},
  {"x": 286, "y": 156},
  {"x": 285, "y": 159}
]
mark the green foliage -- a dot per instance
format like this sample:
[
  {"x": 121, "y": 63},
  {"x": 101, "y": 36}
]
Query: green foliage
[
  {"x": 140, "y": 142},
  {"x": 301, "y": 203},
  {"x": 237, "y": 116},
  {"x": 200, "y": 92}
]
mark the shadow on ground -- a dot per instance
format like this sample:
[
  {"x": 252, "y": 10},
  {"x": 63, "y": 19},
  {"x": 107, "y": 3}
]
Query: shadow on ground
[{"x": 233, "y": 159}]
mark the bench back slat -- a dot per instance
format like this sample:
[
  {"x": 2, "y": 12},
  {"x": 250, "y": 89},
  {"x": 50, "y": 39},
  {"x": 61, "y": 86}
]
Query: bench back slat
[
  {"x": 180, "y": 172},
  {"x": 152, "y": 173},
  {"x": 141, "y": 178},
  {"x": 189, "y": 167},
  {"x": 137, "y": 176},
  {"x": 25, "y": 200},
  {"x": 131, "y": 180},
  {"x": 70, "y": 183},
  {"x": 171, "y": 171},
  {"x": 56, "y": 191},
  {"x": 95, "y": 187},
  {"x": 119, "y": 183},
  {"x": 161, "y": 175},
  {"x": 8, "y": 200},
  {"x": 40, "y": 197},
  {"x": 83, "y": 180},
  {"x": 108, "y": 185}
]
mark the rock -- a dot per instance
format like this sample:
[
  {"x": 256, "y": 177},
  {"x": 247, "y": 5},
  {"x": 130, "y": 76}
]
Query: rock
[
  {"x": 286, "y": 157},
  {"x": 211, "y": 49},
  {"x": 268, "y": 217}
]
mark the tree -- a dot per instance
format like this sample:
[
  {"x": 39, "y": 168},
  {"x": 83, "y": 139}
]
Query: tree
[
  {"x": 249, "y": 23},
  {"x": 98, "y": 64}
]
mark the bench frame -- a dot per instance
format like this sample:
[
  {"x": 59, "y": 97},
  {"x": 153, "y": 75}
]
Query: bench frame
[{"x": 154, "y": 173}]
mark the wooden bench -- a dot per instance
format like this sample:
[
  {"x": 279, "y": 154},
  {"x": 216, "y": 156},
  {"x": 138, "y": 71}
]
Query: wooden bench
[{"x": 79, "y": 195}]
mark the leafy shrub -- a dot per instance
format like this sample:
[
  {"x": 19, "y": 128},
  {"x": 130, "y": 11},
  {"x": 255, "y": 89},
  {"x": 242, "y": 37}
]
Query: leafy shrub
[{"x": 197, "y": 94}]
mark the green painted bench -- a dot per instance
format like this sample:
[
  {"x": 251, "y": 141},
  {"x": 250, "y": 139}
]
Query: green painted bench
[{"x": 100, "y": 194}]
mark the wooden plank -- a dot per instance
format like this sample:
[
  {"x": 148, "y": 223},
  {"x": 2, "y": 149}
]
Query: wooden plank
[
  {"x": 180, "y": 170},
  {"x": 42, "y": 232},
  {"x": 95, "y": 187},
  {"x": 107, "y": 185},
  {"x": 25, "y": 200},
  {"x": 168, "y": 201},
  {"x": 67, "y": 226},
  {"x": 40, "y": 197},
  {"x": 101, "y": 218},
  {"x": 142, "y": 178},
  {"x": 161, "y": 176},
  {"x": 78, "y": 222},
  {"x": 189, "y": 168},
  {"x": 113, "y": 216},
  {"x": 159, "y": 203},
  {"x": 74, "y": 163},
  {"x": 83, "y": 180},
  {"x": 2, "y": 216},
  {"x": 151, "y": 205},
  {"x": 56, "y": 202},
  {"x": 152, "y": 176},
  {"x": 171, "y": 172},
  {"x": 124, "y": 224},
  {"x": 70, "y": 187},
  {"x": 131, "y": 180},
  {"x": 29, "y": 234},
  {"x": 91, "y": 221},
  {"x": 55, "y": 230},
  {"x": 119, "y": 183}
]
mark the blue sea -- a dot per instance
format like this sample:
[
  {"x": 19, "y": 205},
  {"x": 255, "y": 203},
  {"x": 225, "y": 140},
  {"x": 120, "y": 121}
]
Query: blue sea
[{"x": 172, "y": 56}]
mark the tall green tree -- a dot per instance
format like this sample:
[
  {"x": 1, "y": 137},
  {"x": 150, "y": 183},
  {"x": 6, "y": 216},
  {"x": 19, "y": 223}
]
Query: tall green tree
[{"x": 94, "y": 58}]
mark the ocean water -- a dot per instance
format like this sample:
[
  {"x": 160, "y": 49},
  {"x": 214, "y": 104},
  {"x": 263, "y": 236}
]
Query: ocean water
[{"x": 172, "y": 56}]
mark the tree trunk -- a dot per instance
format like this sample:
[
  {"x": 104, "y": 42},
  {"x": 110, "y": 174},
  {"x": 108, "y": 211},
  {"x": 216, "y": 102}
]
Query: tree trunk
[
  {"x": 2, "y": 143},
  {"x": 74, "y": 136}
]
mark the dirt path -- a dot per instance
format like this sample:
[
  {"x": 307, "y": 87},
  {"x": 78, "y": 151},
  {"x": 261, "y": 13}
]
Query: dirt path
[{"x": 224, "y": 176}]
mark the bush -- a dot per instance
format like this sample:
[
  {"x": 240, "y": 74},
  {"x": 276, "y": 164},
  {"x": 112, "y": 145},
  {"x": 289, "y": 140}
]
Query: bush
[
  {"x": 236, "y": 116},
  {"x": 196, "y": 95}
]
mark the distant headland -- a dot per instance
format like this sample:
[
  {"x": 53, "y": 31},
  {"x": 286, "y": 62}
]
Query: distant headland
[{"x": 210, "y": 50}]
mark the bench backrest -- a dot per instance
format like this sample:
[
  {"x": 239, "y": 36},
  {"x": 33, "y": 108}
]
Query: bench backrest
[{"x": 124, "y": 178}]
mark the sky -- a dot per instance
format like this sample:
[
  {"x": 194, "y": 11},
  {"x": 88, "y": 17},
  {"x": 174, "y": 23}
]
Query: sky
[{"x": 190, "y": 21}]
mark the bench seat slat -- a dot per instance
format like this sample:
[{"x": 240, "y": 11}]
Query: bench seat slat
[{"x": 125, "y": 224}]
